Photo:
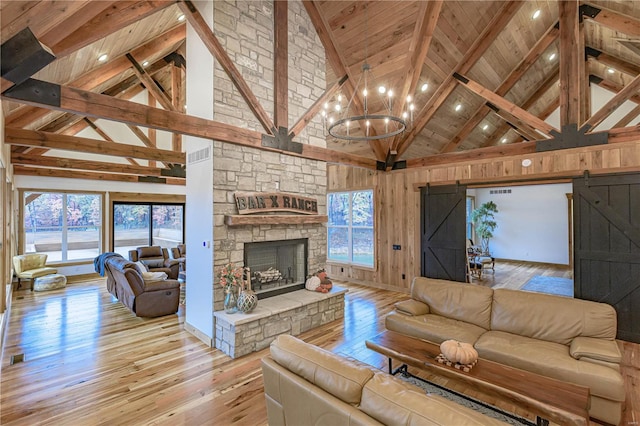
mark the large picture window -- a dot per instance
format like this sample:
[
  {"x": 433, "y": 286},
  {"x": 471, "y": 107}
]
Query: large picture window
[
  {"x": 350, "y": 230},
  {"x": 63, "y": 226},
  {"x": 146, "y": 224}
]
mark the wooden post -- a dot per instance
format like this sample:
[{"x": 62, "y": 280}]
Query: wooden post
[
  {"x": 571, "y": 63},
  {"x": 281, "y": 64}
]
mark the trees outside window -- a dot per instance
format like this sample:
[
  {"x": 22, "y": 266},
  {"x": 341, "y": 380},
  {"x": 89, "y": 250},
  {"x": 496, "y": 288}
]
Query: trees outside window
[
  {"x": 63, "y": 226},
  {"x": 350, "y": 229},
  {"x": 146, "y": 224}
]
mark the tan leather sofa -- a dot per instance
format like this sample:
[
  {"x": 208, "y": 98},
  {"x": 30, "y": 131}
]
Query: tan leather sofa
[
  {"x": 144, "y": 298},
  {"x": 568, "y": 339},
  {"x": 307, "y": 385}
]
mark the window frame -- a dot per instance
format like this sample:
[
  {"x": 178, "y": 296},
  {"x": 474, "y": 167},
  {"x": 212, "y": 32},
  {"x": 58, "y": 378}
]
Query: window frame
[
  {"x": 150, "y": 204},
  {"x": 350, "y": 227},
  {"x": 21, "y": 228},
  {"x": 470, "y": 230}
]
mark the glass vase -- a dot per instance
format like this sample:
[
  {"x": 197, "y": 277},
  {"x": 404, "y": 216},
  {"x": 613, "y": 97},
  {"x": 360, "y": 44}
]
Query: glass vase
[{"x": 230, "y": 300}]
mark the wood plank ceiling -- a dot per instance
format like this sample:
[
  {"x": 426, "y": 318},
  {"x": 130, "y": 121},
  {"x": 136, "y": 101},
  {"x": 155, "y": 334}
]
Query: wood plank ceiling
[{"x": 490, "y": 73}]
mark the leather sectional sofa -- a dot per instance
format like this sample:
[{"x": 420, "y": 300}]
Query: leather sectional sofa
[
  {"x": 568, "y": 339},
  {"x": 307, "y": 385}
]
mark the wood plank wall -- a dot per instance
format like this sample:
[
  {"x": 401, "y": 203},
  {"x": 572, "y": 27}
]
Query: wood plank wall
[{"x": 397, "y": 198}]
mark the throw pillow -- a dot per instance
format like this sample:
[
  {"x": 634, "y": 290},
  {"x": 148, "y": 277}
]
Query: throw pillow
[
  {"x": 154, "y": 276},
  {"x": 141, "y": 267}
]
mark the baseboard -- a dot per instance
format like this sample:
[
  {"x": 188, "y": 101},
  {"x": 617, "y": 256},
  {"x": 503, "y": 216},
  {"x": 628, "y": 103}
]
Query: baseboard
[{"x": 198, "y": 334}]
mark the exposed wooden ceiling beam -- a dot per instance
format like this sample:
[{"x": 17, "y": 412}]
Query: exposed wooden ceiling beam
[
  {"x": 337, "y": 63},
  {"x": 24, "y": 116},
  {"x": 144, "y": 138},
  {"x": 281, "y": 64},
  {"x": 621, "y": 97},
  {"x": 473, "y": 54},
  {"x": 72, "y": 174},
  {"x": 614, "y": 62},
  {"x": 67, "y": 163},
  {"x": 510, "y": 107},
  {"x": 177, "y": 101},
  {"x": 215, "y": 48},
  {"x": 102, "y": 106},
  {"x": 317, "y": 105},
  {"x": 571, "y": 63},
  {"x": 37, "y": 138},
  {"x": 625, "y": 134},
  {"x": 475, "y": 154},
  {"x": 418, "y": 50},
  {"x": 628, "y": 118},
  {"x": 119, "y": 15},
  {"x": 520, "y": 127},
  {"x": 612, "y": 87},
  {"x": 152, "y": 86},
  {"x": 617, "y": 21},
  {"x": 534, "y": 54},
  {"x": 106, "y": 137}
]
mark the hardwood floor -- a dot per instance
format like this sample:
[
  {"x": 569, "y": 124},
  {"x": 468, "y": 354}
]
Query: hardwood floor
[{"x": 89, "y": 361}]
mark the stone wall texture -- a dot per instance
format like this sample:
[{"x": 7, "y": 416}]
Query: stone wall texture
[{"x": 246, "y": 31}]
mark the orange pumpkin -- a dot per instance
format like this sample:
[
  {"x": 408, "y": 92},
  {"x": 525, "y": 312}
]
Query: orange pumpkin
[{"x": 460, "y": 352}]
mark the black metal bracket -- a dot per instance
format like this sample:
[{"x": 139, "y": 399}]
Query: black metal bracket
[
  {"x": 151, "y": 179},
  {"x": 37, "y": 91},
  {"x": 281, "y": 140},
  {"x": 175, "y": 170},
  {"x": 22, "y": 56},
  {"x": 572, "y": 137},
  {"x": 177, "y": 59}
]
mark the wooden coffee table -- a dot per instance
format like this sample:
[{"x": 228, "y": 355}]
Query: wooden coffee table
[{"x": 550, "y": 399}]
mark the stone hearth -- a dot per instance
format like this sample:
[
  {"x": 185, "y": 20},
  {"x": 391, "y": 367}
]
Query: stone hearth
[{"x": 292, "y": 313}]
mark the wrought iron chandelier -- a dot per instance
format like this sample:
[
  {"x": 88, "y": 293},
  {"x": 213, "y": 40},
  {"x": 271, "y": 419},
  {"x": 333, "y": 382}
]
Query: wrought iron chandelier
[{"x": 339, "y": 122}]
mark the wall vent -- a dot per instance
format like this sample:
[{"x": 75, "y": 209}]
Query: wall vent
[
  {"x": 199, "y": 155},
  {"x": 499, "y": 191}
]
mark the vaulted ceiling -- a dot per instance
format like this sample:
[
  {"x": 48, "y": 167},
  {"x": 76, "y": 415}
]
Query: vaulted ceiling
[{"x": 480, "y": 74}]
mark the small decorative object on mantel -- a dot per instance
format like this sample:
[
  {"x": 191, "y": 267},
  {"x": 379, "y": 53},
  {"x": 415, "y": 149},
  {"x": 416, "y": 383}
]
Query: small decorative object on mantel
[
  {"x": 247, "y": 300},
  {"x": 230, "y": 277},
  {"x": 460, "y": 355}
]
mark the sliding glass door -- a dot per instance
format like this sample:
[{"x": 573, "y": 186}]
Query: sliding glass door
[{"x": 146, "y": 224}]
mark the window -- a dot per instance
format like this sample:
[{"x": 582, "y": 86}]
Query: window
[
  {"x": 350, "y": 230},
  {"x": 63, "y": 226},
  {"x": 146, "y": 224},
  {"x": 471, "y": 202}
]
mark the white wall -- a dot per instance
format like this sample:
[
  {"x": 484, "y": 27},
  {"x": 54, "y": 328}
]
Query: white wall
[
  {"x": 532, "y": 222},
  {"x": 199, "y": 217}
]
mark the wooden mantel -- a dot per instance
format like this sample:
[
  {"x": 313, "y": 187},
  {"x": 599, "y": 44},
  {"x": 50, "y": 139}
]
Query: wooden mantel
[{"x": 273, "y": 219}]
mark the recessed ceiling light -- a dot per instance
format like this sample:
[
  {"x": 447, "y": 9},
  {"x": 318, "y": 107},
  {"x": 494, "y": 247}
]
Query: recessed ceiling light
[
  {"x": 103, "y": 57},
  {"x": 552, "y": 56},
  {"x": 458, "y": 107},
  {"x": 382, "y": 89},
  {"x": 536, "y": 14},
  {"x": 181, "y": 17},
  {"x": 145, "y": 63},
  {"x": 424, "y": 87},
  {"x": 409, "y": 98},
  {"x": 390, "y": 93},
  {"x": 326, "y": 105},
  {"x": 611, "y": 70},
  {"x": 504, "y": 140},
  {"x": 340, "y": 98},
  {"x": 412, "y": 107},
  {"x": 338, "y": 107},
  {"x": 485, "y": 127}
]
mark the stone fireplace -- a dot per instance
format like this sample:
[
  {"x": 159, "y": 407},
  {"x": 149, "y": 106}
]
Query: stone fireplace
[{"x": 277, "y": 267}]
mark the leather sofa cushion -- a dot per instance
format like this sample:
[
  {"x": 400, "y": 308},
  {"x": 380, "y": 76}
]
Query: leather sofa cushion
[
  {"x": 551, "y": 360},
  {"x": 151, "y": 251},
  {"x": 393, "y": 402},
  {"x": 153, "y": 263},
  {"x": 551, "y": 318},
  {"x": 412, "y": 307},
  {"x": 322, "y": 368},
  {"x": 434, "y": 328},
  {"x": 465, "y": 302},
  {"x": 600, "y": 349}
]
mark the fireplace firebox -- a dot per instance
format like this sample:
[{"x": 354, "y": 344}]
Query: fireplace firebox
[{"x": 277, "y": 267}]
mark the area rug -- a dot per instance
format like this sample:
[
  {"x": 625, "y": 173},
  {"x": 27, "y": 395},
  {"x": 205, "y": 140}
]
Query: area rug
[
  {"x": 486, "y": 409},
  {"x": 551, "y": 285}
]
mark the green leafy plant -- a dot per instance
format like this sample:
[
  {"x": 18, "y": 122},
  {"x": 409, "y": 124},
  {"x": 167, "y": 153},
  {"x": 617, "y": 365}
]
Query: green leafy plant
[{"x": 484, "y": 222}]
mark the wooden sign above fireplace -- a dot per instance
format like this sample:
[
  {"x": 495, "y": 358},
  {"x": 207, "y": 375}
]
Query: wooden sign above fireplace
[{"x": 262, "y": 202}]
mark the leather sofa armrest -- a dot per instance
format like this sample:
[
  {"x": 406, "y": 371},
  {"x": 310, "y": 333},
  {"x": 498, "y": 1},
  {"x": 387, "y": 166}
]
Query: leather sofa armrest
[
  {"x": 600, "y": 349},
  {"x": 168, "y": 263},
  {"x": 412, "y": 307}
]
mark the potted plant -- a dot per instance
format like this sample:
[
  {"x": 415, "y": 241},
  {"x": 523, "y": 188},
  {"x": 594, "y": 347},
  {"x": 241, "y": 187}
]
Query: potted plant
[{"x": 484, "y": 221}]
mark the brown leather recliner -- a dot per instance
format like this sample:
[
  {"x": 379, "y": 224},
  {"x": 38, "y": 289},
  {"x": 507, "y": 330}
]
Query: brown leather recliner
[
  {"x": 179, "y": 253},
  {"x": 156, "y": 259},
  {"x": 144, "y": 298}
]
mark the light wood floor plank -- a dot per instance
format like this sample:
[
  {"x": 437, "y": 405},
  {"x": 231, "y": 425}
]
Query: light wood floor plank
[{"x": 89, "y": 361}]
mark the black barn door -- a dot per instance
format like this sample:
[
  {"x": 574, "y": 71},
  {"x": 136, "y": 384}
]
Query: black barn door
[
  {"x": 607, "y": 246},
  {"x": 443, "y": 232}
]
